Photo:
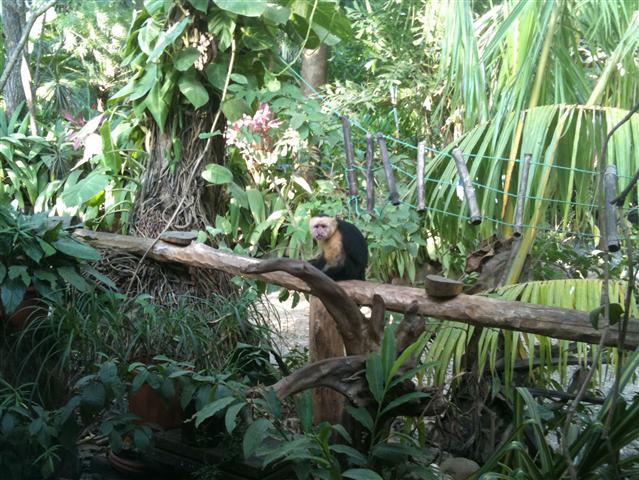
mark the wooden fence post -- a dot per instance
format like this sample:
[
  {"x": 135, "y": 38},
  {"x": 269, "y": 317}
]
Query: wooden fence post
[
  {"x": 521, "y": 196},
  {"x": 350, "y": 158},
  {"x": 324, "y": 342},
  {"x": 421, "y": 197},
  {"x": 370, "y": 175},
  {"x": 469, "y": 191},
  {"x": 610, "y": 192},
  {"x": 388, "y": 168}
]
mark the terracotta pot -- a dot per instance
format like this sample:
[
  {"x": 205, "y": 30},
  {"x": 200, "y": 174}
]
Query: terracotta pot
[
  {"x": 25, "y": 309},
  {"x": 151, "y": 407}
]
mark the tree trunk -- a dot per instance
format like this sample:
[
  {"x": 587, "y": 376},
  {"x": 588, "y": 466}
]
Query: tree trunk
[
  {"x": 13, "y": 20},
  {"x": 171, "y": 183},
  {"x": 315, "y": 68}
]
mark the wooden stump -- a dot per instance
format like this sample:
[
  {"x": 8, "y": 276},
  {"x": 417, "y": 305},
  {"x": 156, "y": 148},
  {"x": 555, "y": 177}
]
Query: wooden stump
[{"x": 324, "y": 342}]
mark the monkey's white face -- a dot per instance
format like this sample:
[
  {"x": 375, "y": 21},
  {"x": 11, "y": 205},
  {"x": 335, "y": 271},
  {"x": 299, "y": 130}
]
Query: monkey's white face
[{"x": 322, "y": 228}]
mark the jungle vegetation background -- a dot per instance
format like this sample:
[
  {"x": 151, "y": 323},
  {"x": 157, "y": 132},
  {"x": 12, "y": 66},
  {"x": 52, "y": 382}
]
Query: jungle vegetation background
[{"x": 222, "y": 117}]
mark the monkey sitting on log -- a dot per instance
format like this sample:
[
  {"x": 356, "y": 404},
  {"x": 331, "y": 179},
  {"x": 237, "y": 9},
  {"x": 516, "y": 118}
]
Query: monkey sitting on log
[{"x": 344, "y": 249}]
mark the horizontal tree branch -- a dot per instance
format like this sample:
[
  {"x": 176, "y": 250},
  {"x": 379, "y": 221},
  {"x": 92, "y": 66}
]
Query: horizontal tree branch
[{"x": 475, "y": 310}]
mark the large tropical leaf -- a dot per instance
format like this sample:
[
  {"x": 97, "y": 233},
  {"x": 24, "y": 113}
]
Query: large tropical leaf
[
  {"x": 546, "y": 78},
  {"x": 585, "y": 295},
  {"x": 564, "y": 141}
]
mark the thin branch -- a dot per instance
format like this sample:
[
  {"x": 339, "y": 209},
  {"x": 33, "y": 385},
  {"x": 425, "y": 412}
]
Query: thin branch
[
  {"x": 17, "y": 53},
  {"x": 615, "y": 392},
  {"x": 339, "y": 374},
  {"x": 621, "y": 198},
  {"x": 554, "y": 394},
  {"x": 346, "y": 375}
]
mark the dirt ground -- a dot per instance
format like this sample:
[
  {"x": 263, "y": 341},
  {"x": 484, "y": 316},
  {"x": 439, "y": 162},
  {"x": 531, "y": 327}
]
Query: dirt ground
[{"x": 291, "y": 323}]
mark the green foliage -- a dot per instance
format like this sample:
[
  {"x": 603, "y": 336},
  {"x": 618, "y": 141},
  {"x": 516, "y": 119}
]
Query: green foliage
[
  {"x": 37, "y": 252},
  {"x": 314, "y": 454},
  {"x": 30, "y": 164},
  {"x": 592, "y": 454},
  {"x": 83, "y": 327},
  {"x": 272, "y": 211},
  {"x": 35, "y": 439},
  {"x": 267, "y": 171},
  {"x": 211, "y": 393},
  {"x": 30, "y": 442},
  {"x": 103, "y": 184},
  {"x": 169, "y": 55},
  {"x": 546, "y": 356},
  {"x": 583, "y": 295},
  {"x": 76, "y": 55},
  {"x": 397, "y": 48},
  {"x": 398, "y": 244},
  {"x": 39, "y": 174}
]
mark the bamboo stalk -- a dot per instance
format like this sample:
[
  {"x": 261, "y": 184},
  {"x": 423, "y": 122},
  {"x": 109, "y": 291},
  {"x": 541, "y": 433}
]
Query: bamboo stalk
[
  {"x": 421, "y": 198},
  {"x": 388, "y": 168},
  {"x": 469, "y": 191},
  {"x": 350, "y": 157},
  {"x": 521, "y": 195},
  {"x": 370, "y": 177}
]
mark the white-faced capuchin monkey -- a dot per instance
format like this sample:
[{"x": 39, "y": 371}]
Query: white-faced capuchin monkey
[{"x": 344, "y": 249}]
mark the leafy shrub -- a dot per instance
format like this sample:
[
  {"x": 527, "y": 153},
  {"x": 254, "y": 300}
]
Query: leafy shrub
[
  {"x": 36, "y": 251},
  {"x": 593, "y": 453},
  {"x": 53, "y": 350},
  {"x": 380, "y": 453},
  {"x": 30, "y": 164}
]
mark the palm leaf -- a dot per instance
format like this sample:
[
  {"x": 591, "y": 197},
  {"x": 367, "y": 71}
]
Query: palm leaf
[{"x": 449, "y": 345}]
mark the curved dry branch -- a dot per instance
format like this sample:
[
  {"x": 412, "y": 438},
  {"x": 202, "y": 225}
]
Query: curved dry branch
[
  {"x": 342, "y": 374},
  {"x": 347, "y": 375},
  {"x": 344, "y": 310}
]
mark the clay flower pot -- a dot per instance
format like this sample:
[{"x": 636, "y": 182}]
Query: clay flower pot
[
  {"x": 151, "y": 407},
  {"x": 25, "y": 309}
]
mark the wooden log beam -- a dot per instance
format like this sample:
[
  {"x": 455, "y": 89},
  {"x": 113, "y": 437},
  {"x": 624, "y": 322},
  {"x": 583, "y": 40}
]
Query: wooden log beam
[{"x": 475, "y": 310}]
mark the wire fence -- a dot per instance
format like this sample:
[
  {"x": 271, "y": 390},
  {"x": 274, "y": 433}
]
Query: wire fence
[{"x": 353, "y": 201}]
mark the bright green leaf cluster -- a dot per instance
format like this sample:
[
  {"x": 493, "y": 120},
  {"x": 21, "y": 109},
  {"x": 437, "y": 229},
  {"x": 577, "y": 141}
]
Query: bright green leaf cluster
[
  {"x": 36, "y": 252},
  {"x": 173, "y": 58}
]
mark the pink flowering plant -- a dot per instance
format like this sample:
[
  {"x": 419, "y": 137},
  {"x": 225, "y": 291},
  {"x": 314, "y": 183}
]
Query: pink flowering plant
[{"x": 262, "y": 142}]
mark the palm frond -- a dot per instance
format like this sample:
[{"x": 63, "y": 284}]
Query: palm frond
[{"x": 548, "y": 354}]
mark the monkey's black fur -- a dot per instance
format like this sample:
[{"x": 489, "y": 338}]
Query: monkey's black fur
[{"x": 345, "y": 254}]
